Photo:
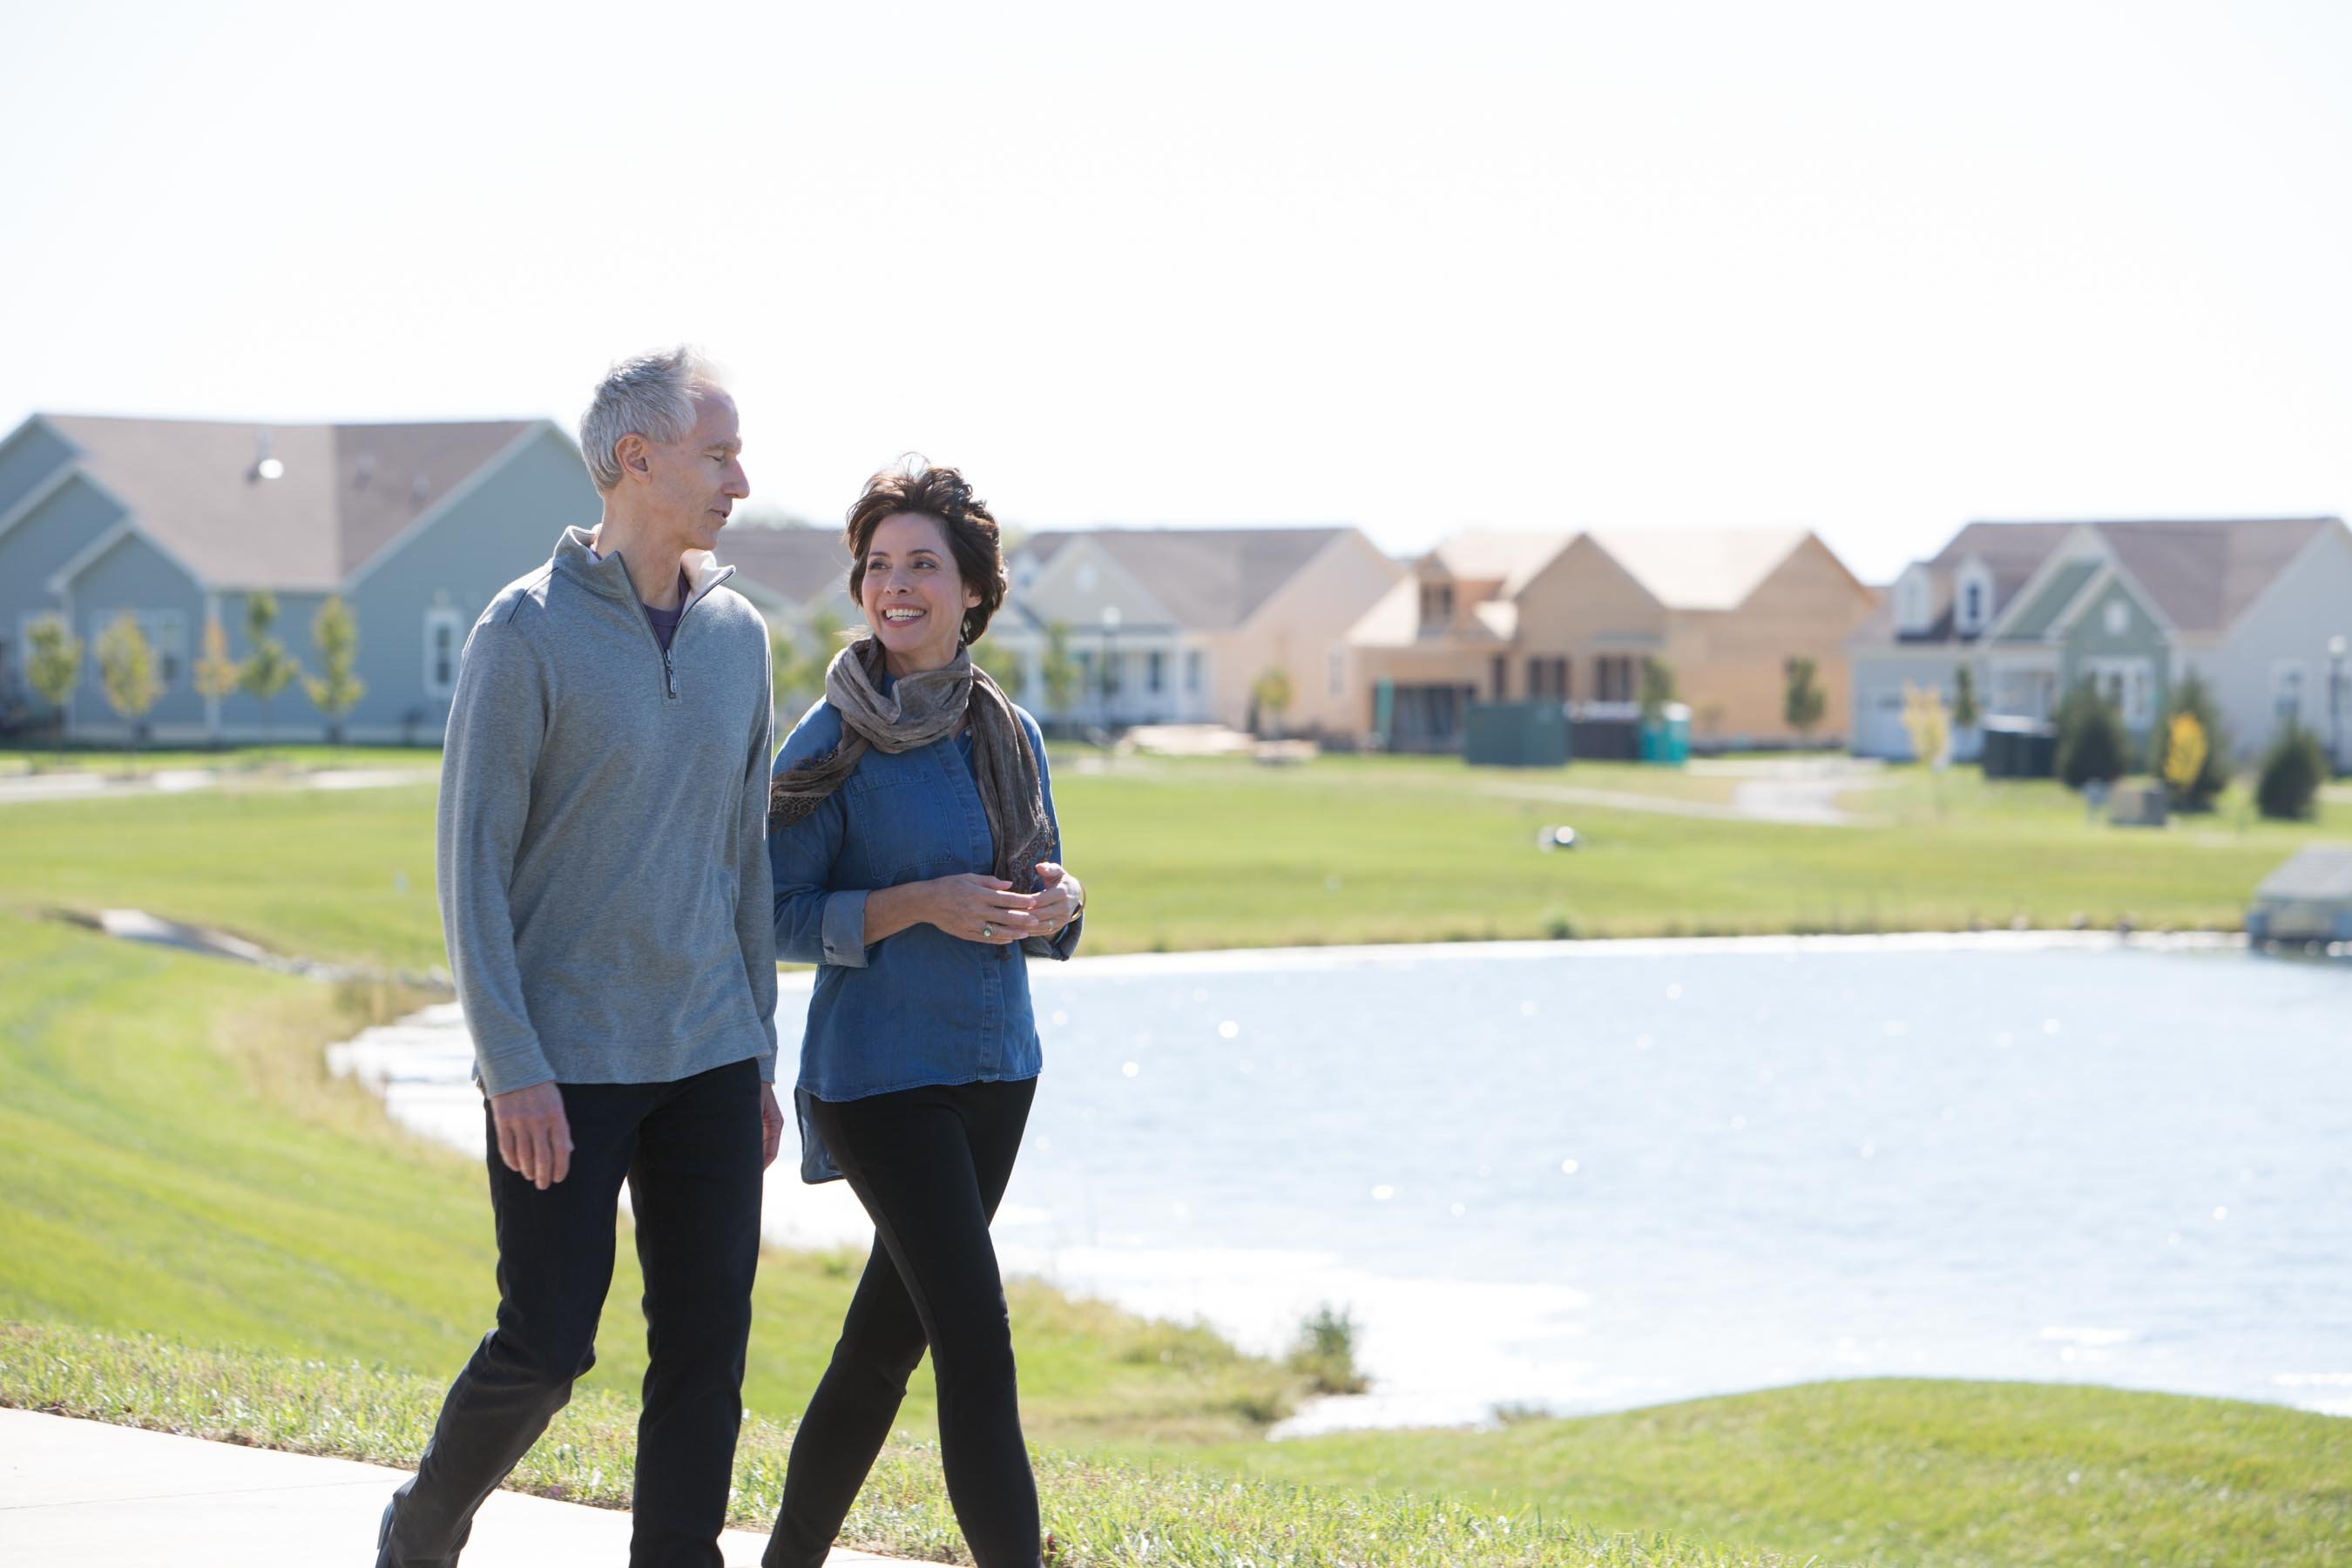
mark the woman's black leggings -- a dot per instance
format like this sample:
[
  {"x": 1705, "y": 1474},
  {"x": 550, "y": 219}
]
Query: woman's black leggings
[{"x": 929, "y": 1165}]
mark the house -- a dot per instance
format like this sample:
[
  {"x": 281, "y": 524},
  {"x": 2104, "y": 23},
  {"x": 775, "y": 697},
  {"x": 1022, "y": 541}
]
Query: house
[
  {"x": 2259, "y": 608},
  {"x": 1177, "y": 625},
  {"x": 1501, "y": 617},
  {"x": 414, "y": 526},
  {"x": 795, "y": 574}
]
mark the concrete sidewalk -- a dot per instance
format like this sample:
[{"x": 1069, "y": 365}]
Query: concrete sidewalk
[{"x": 95, "y": 1496}]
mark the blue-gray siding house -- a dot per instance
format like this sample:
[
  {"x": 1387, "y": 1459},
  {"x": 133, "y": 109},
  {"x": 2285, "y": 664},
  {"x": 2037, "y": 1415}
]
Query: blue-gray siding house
[{"x": 414, "y": 526}]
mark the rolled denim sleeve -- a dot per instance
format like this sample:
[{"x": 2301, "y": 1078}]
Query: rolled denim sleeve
[
  {"x": 815, "y": 921},
  {"x": 1064, "y": 942}
]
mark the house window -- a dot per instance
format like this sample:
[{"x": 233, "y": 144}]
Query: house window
[
  {"x": 1436, "y": 604},
  {"x": 2119, "y": 617},
  {"x": 1192, "y": 671},
  {"x": 1114, "y": 673},
  {"x": 1548, "y": 676},
  {"x": 1911, "y": 601},
  {"x": 1497, "y": 674},
  {"x": 1155, "y": 671},
  {"x": 2129, "y": 686},
  {"x": 2286, "y": 691},
  {"x": 1972, "y": 607},
  {"x": 444, "y": 643},
  {"x": 1613, "y": 676},
  {"x": 167, "y": 633},
  {"x": 1086, "y": 661},
  {"x": 1338, "y": 672}
]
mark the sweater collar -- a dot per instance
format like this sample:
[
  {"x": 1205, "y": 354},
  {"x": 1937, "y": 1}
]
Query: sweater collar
[{"x": 610, "y": 576}]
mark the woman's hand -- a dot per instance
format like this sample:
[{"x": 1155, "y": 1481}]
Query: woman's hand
[
  {"x": 982, "y": 909},
  {"x": 1059, "y": 899}
]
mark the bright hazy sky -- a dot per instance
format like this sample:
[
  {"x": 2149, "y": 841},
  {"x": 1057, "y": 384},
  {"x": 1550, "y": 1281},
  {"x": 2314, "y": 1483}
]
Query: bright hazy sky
[{"x": 1874, "y": 268}]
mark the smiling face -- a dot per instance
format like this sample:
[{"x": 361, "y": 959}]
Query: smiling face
[
  {"x": 913, "y": 596},
  {"x": 692, "y": 483}
]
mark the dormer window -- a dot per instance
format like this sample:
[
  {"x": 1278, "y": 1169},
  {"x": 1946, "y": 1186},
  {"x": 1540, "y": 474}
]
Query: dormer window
[
  {"x": 1436, "y": 604},
  {"x": 1972, "y": 604}
]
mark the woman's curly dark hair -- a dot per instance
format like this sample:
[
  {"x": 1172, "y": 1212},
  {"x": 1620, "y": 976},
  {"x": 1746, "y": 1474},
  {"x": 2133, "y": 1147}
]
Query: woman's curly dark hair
[{"x": 914, "y": 485}]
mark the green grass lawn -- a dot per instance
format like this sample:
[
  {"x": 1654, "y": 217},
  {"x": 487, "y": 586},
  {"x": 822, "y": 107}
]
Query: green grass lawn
[
  {"x": 1193, "y": 854},
  {"x": 298, "y": 754},
  {"x": 1897, "y": 1471}
]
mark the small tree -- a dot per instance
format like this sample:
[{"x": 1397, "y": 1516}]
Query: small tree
[
  {"x": 2292, "y": 770},
  {"x": 268, "y": 668},
  {"x": 126, "y": 667},
  {"x": 2191, "y": 699},
  {"x": 2092, "y": 745},
  {"x": 1058, "y": 670},
  {"x": 335, "y": 633},
  {"x": 216, "y": 675},
  {"x": 1004, "y": 666},
  {"x": 1657, "y": 687},
  {"x": 56, "y": 666},
  {"x": 1928, "y": 724},
  {"x": 2182, "y": 755},
  {"x": 1270, "y": 694},
  {"x": 1966, "y": 710},
  {"x": 1802, "y": 702}
]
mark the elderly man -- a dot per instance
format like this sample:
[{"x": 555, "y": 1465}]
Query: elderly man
[{"x": 605, "y": 895}]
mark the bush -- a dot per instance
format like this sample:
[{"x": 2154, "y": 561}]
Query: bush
[
  {"x": 1326, "y": 1352},
  {"x": 2192, "y": 697},
  {"x": 2292, "y": 770},
  {"x": 2091, "y": 744}
]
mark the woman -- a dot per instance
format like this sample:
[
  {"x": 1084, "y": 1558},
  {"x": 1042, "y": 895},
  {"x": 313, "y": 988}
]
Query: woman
[{"x": 912, "y": 835}]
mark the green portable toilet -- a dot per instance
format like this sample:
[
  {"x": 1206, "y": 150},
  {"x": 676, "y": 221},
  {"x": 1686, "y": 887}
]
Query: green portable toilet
[
  {"x": 1516, "y": 734},
  {"x": 1665, "y": 739}
]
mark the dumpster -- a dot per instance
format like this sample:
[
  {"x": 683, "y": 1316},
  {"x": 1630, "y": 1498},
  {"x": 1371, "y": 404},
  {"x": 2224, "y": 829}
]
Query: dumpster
[{"x": 1516, "y": 734}]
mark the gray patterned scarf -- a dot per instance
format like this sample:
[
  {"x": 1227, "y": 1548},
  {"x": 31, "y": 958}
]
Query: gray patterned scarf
[{"x": 918, "y": 710}]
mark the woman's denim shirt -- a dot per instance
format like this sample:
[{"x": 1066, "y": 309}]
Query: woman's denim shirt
[{"x": 922, "y": 1006}]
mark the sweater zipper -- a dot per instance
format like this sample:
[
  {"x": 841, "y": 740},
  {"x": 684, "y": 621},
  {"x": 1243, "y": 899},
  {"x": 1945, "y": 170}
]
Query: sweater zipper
[{"x": 669, "y": 669}]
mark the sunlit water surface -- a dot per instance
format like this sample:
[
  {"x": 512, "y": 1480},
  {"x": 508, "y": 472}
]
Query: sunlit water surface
[{"x": 1591, "y": 1176}]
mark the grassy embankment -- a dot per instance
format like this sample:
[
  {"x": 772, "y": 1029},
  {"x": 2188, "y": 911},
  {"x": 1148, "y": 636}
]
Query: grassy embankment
[{"x": 1179, "y": 855}]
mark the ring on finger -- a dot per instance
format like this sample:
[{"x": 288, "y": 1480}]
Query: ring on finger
[{"x": 986, "y": 930}]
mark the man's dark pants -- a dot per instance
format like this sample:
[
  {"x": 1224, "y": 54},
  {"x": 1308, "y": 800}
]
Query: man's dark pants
[{"x": 691, "y": 1153}]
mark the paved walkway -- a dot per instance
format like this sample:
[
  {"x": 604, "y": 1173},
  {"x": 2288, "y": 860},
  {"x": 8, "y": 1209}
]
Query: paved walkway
[
  {"x": 95, "y": 1496},
  {"x": 95, "y": 784}
]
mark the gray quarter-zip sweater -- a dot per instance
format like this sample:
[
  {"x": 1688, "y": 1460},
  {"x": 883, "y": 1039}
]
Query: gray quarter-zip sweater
[{"x": 603, "y": 854}]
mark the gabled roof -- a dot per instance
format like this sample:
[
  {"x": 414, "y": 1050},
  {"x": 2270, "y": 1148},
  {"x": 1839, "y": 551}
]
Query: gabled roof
[
  {"x": 1497, "y": 555},
  {"x": 2204, "y": 574},
  {"x": 1210, "y": 579},
  {"x": 795, "y": 563},
  {"x": 345, "y": 492},
  {"x": 1701, "y": 569},
  {"x": 2011, "y": 552},
  {"x": 2201, "y": 573}
]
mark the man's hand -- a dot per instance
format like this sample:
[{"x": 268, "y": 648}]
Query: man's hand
[
  {"x": 1058, "y": 897},
  {"x": 982, "y": 909},
  {"x": 534, "y": 1135},
  {"x": 772, "y": 1125}
]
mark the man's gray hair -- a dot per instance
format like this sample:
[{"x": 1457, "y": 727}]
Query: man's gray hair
[{"x": 649, "y": 394}]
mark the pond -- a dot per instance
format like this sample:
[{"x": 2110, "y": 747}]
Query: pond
[{"x": 1583, "y": 1176}]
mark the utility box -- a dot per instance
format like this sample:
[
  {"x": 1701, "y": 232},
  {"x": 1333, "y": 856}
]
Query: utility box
[
  {"x": 1516, "y": 734},
  {"x": 2020, "y": 749},
  {"x": 2137, "y": 805}
]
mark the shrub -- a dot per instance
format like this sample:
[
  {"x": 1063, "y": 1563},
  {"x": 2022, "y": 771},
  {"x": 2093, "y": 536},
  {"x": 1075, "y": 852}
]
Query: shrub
[
  {"x": 2211, "y": 777},
  {"x": 2292, "y": 770},
  {"x": 1326, "y": 1352},
  {"x": 2091, "y": 744}
]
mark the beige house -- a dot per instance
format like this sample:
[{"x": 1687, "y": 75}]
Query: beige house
[
  {"x": 1494, "y": 616},
  {"x": 1172, "y": 625}
]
